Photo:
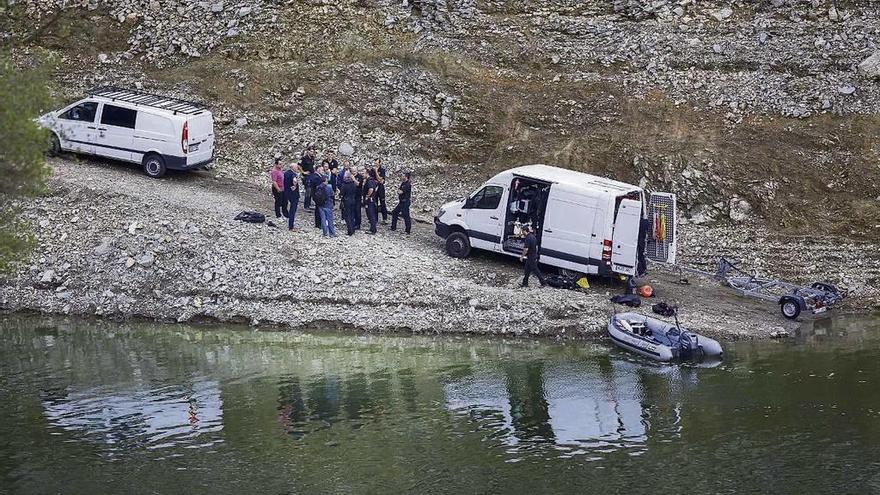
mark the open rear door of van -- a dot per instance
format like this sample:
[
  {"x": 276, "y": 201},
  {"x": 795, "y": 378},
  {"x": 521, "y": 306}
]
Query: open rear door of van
[
  {"x": 625, "y": 238},
  {"x": 663, "y": 235}
]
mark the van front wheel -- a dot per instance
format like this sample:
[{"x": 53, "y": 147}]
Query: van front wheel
[
  {"x": 54, "y": 145},
  {"x": 154, "y": 165},
  {"x": 458, "y": 245}
]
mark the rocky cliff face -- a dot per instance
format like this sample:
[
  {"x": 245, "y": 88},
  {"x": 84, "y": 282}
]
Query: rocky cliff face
[{"x": 753, "y": 112}]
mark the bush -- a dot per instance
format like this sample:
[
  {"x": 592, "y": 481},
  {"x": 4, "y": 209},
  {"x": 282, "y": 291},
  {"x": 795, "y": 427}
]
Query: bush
[{"x": 23, "y": 95}]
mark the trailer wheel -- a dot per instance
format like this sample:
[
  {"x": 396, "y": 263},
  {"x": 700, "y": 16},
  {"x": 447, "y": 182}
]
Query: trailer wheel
[
  {"x": 458, "y": 245},
  {"x": 790, "y": 308},
  {"x": 825, "y": 286}
]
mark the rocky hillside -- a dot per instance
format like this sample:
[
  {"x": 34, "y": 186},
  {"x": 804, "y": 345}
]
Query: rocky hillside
[{"x": 753, "y": 112}]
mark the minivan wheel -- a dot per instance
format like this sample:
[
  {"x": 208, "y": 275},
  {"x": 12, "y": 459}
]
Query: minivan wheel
[
  {"x": 54, "y": 144},
  {"x": 154, "y": 166},
  {"x": 458, "y": 245}
]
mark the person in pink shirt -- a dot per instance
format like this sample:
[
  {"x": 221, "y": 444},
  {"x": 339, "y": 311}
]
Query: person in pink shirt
[{"x": 277, "y": 176}]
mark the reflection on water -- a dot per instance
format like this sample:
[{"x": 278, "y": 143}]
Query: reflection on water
[
  {"x": 168, "y": 416},
  {"x": 338, "y": 413}
]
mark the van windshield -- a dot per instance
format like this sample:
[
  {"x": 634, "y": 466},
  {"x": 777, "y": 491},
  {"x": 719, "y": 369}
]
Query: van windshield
[{"x": 84, "y": 112}]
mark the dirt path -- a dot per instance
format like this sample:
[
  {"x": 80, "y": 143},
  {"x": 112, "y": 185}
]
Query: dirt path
[{"x": 113, "y": 242}]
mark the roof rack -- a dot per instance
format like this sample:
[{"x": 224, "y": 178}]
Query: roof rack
[{"x": 175, "y": 105}]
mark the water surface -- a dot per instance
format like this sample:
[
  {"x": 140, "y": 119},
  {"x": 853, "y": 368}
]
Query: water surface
[{"x": 100, "y": 407}]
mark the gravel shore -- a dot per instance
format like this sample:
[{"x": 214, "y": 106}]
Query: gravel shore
[{"x": 114, "y": 243}]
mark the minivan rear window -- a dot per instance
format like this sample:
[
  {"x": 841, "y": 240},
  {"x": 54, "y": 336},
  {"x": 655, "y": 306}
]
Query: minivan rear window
[{"x": 118, "y": 116}]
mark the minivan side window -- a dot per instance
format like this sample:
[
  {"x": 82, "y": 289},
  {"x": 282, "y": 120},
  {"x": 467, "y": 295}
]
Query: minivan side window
[
  {"x": 487, "y": 199},
  {"x": 118, "y": 116},
  {"x": 84, "y": 112}
]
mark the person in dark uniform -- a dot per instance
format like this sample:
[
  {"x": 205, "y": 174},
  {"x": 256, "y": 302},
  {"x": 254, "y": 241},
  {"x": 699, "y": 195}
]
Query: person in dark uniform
[
  {"x": 361, "y": 179},
  {"x": 307, "y": 164},
  {"x": 530, "y": 256},
  {"x": 404, "y": 196},
  {"x": 291, "y": 193},
  {"x": 331, "y": 166},
  {"x": 379, "y": 173},
  {"x": 370, "y": 198},
  {"x": 350, "y": 196},
  {"x": 315, "y": 180}
]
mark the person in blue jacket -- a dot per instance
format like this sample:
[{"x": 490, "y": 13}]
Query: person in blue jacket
[{"x": 327, "y": 227}]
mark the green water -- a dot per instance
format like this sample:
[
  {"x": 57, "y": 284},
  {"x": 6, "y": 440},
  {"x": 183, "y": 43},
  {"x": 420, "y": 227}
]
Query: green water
[{"x": 100, "y": 407}]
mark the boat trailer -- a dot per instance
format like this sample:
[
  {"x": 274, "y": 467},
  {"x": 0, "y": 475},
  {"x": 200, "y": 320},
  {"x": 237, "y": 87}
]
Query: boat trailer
[{"x": 792, "y": 298}]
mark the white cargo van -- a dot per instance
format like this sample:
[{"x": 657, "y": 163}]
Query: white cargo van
[
  {"x": 155, "y": 131},
  {"x": 584, "y": 224}
]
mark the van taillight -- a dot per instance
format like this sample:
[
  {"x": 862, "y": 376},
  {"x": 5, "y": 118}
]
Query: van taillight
[
  {"x": 606, "y": 251},
  {"x": 184, "y": 138}
]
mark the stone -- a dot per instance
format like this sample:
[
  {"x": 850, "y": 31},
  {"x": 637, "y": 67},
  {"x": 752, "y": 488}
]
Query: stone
[
  {"x": 146, "y": 259},
  {"x": 241, "y": 122},
  {"x": 870, "y": 67},
  {"x": 346, "y": 149},
  {"x": 717, "y": 48},
  {"x": 833, "y": 14},
  {"x": 722, "y": 14},
  {"x": 244, "y": 11},
  {"x": 104, "y": 247},
  {"x": 846, "y": 89},
  {"x": 47, "y": 276},
  {"x": 740, "y": 209},
  {"x": 217, "y": 7},
  {"x": 762, "y": 37}
]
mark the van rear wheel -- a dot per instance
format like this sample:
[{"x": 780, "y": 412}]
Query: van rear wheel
[
  {"x": 154, "y": 165},
  {"x": 458, "y": 245}
]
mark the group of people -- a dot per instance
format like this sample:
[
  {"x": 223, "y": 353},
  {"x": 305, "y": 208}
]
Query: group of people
[{"x": 320, "y": 185}]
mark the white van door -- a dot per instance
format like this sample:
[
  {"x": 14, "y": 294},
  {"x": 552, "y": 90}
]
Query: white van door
[
  {"x": 625, "y": 237},
  {"x": 116, "y": 132},
  {"x": 568, "y": 233},
  {"x": 200, "y": 138},
  {"x": 662, "y": 237},
  {"x": 76, "y": 127},
  {"x": 485, "y": 216}
]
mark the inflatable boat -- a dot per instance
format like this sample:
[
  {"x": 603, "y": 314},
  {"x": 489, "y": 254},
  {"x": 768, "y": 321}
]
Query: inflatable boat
[{"x": 657, "y": 339}]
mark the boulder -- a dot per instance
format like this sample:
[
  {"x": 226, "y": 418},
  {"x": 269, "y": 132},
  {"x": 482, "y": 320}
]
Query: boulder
[
  {"x": 346, "y": 149},
  {"x": 740, "y": 209},
  {"x": 870, "y": 67}
]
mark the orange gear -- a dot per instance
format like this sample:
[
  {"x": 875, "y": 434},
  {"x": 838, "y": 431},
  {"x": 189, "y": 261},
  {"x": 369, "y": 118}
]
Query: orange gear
[{"x": 646, "y": 291}]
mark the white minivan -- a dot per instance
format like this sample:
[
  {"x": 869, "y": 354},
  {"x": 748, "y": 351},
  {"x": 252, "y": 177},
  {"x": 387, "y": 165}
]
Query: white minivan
[
  {"x": 158, "y": 132},
  {"x": 584, "y": 223}
]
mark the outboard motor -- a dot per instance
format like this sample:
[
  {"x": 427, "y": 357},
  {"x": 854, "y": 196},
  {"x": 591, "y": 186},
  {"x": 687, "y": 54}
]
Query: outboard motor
[{"x": 689, "y": 347}]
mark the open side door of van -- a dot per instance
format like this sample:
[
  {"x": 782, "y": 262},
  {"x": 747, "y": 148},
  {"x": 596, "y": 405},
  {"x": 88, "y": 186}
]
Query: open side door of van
[
  {"x": 625, "y": 238},
  {"x": 662, "y": 236}
]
